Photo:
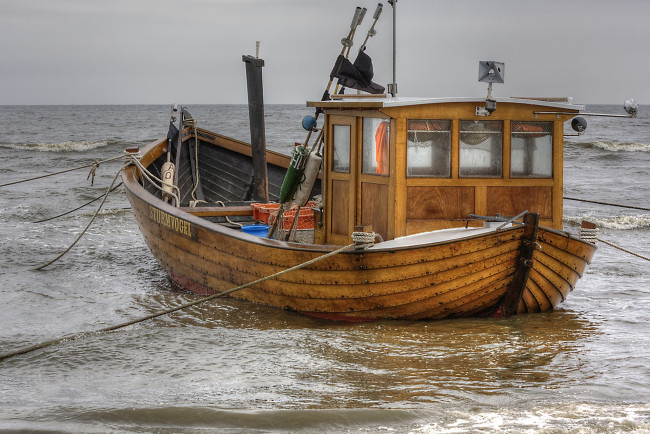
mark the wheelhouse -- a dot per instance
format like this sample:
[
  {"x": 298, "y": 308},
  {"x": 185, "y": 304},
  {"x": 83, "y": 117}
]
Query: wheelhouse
[{"x": 405, "y": 166}]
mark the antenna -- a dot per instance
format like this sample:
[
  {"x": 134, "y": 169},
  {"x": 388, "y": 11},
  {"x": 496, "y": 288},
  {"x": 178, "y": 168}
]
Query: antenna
[
  {"x": 392, "y": 87},
  {"x": 489, "y": 72}
]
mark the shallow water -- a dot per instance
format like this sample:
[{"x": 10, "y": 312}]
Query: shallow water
[{"x": 237, "y": 367}]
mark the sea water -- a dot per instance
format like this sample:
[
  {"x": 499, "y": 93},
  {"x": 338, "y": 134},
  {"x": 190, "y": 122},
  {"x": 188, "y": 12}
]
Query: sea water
[{"x": 231, "y": 366}]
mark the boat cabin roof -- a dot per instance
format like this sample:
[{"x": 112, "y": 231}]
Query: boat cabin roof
[{"x": 384, "y": 101}]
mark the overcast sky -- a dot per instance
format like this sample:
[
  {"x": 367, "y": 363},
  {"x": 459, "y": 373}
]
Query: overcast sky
[{"x": 189, "y": 51}]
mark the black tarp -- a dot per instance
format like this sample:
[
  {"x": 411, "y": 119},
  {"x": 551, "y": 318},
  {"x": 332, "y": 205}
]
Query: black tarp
[{"x": 357, "y": 75}]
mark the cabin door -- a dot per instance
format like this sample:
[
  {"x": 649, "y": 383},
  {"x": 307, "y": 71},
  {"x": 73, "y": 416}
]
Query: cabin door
[
  {"x": 341, "y": 180},
  {"x": 373, "y": 183}
]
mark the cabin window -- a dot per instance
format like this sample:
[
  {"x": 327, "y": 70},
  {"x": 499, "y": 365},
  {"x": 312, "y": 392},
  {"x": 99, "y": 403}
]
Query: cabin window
[
  {"x": 341, "y": 147},
  {"x": 428, "y": 149},
  {"x": 480, "y": 148},
  {"x": 376, "y": 145},
  {"x": 531, "y": 150}
]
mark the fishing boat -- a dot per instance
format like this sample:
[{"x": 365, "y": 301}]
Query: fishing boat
[{"x": 436, "y": 207}]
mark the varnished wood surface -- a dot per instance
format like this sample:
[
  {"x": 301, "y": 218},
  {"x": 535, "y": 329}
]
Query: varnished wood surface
[
  {"x": 374, "y": 207},
  {"x": 512, "y": 201},
  {"x": 505, "y": 194},
  {"x": 218, "y": 211},
  {"x": 425, "y": 203},
  {"x": 556, "y": 269},
  {"x": 515, "y": 292}
]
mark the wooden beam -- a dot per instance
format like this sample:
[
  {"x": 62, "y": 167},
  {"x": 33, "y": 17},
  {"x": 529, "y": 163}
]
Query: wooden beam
[
  {"x": 218, "y": 211},
  {"x": 258, "y": 137},
  {"x": 512, "y": 298}
]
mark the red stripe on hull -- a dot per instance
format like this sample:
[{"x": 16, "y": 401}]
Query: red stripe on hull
[{"x": 188, "y": 284}]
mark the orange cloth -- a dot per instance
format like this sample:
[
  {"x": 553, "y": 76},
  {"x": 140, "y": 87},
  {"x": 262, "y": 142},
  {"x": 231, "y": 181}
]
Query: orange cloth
[{"x": 381, "y": 148}]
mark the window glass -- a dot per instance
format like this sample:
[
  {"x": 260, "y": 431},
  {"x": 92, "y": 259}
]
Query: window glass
[
  {"x": 341, "y": 148},
  {"x": 428, "y": 149},
  {"x": 376, "y": 145},
  {"x": 531, "y": 150},
  {"x": 480, "y": 148}
]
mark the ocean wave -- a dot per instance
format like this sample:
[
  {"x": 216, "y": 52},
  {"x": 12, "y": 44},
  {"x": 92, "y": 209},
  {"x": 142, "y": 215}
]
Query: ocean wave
[
  {"x": 620, "y": 223},
  {"x": 617, "y": 146},
  {"x": 583, "y": 417},
  {"x": 69, "y": 146}
]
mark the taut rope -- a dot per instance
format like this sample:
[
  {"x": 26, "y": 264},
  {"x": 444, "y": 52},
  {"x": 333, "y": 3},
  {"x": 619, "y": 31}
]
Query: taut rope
[
  {"x": 79, "y": 207},
  {"x": 623, "y": 250},
  {"x": 362, "y": 240},
  {"x": 108, "y": 190},
  {"x": 94, "y": 164},
  {"x": 128, "y": 160},
  {"x": 591, "y": 236},
  {"x": 606, "y": 203},
  {"x": 168, "y": 311}
]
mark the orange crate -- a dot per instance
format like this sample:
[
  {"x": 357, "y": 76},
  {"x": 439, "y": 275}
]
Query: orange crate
[
  {"x": 262, "y": 211},
  {"x": 305, "y": 218}
]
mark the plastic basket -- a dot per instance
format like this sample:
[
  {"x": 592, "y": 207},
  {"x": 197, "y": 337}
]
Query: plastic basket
[
  {"x": 305, "y": 218},
  {"x": 262, "y": 211}
]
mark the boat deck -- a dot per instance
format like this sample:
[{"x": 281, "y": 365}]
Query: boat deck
[{"x": 438, "y": 236}]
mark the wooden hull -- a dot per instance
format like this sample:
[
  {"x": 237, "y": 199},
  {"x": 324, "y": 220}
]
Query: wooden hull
[{"x": 457, "y": 278}]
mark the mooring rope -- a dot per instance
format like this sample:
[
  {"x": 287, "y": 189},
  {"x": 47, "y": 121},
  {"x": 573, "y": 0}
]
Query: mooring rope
[
  {"x": 79, "y": 207},
  {"x": 363, "y": 240},
  {"x": 623, "y": 249},
  {"x": 94, "y": 164},
  {"x": 194, "y": 200},
  {"x": 108, "y": 190},
  {"x": 134, "y": 159},
  {"x": 129, "y": 159},
  {"x": 590, "y": 235},
  {"x": 606, "y": 203},
  {"x": 174, "y": 309}
]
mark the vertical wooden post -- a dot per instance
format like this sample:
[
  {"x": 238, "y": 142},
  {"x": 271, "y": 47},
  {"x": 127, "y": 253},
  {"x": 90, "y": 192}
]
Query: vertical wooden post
[
  {"x": 520, "y": 279},
  {"x": 256, "y": 115}
]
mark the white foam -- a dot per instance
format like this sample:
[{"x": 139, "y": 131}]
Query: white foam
[
  {"x": 69, "y": 146},
  {"x": 626, "y": 222},
  {"x": 622, "y": 146},
  {"x": 576, "y": 417}
]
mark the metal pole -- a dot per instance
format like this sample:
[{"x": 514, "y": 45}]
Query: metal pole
[{"x": 392, "y": 88}]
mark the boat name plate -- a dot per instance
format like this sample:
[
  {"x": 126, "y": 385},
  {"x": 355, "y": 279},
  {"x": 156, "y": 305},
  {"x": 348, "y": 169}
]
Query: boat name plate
[{"x": 173, "y": 223}]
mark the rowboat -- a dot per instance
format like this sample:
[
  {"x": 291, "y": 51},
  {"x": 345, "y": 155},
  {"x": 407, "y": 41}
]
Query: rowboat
[{"x": 459, "y": 199}]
